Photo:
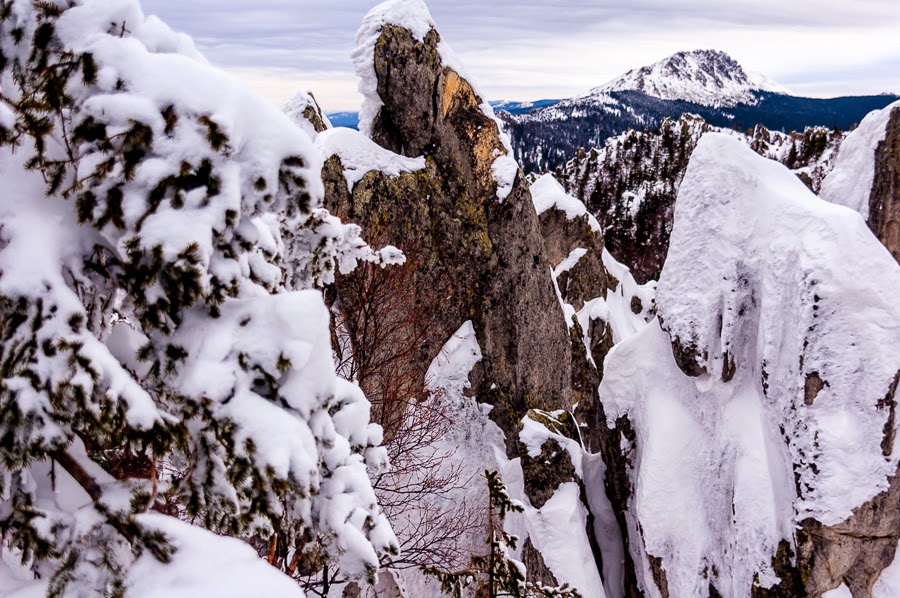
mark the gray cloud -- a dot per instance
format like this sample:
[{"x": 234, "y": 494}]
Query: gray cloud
[{"x": 554, "y": 48}]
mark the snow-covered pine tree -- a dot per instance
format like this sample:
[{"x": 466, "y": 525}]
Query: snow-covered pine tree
[{"x": 160, "y": 229}]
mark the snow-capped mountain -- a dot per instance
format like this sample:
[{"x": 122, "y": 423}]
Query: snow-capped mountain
[
  {"x": 706, "y": 83},
  {"x": 707, "y": 77}
]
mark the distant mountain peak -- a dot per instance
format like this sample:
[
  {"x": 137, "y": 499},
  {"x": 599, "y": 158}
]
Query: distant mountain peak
[{"x": 708, "y": 77}]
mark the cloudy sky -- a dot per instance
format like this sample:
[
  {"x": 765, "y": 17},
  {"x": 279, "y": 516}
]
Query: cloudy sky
[{"x": 533, "y": 49}]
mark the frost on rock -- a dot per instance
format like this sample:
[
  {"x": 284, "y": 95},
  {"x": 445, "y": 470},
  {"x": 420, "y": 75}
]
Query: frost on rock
[
  {"x": 781, "y": 308},
  {"x": 850, "y": 182},
  {"x": 161, "y": 233},
  {"x": 360, "y": 155}
]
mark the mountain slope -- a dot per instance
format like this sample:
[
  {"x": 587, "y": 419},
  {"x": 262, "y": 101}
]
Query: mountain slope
[
  {"x": 549, "y": 137},
  {"x": 706, "y": 77},
  {"x": 706, "y": 83}
]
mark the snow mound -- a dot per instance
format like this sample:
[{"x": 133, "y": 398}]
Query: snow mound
[
  {"x": 239, "y": 571},
  {"x": 850, "y": 183},
  {"x": 547, "y": 193},
  {"x": 360, "y": 155},
  {"x": 705, "y": 77},
  {"x": 763, "y": 276}
]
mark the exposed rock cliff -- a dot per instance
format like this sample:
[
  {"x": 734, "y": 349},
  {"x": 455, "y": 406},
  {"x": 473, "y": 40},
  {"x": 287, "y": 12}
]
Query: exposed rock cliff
[
  {"x": 432, "y": 174},
  {"x": 884, "y": 203},
  {"x": 708, "y": 455}
]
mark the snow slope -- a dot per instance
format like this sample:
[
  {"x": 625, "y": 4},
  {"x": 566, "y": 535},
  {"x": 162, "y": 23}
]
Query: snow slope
[
  {"x": 707, "y": 77},
  {"x": 768, "y": 285},
  {"x": 850, "y": 182}
]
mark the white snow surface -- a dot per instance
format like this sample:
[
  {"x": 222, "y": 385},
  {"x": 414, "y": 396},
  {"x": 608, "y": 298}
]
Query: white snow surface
[
  {"x": 888, "y": 584},
  {"x": 238, "y": 571},
  {"x": 316, "y": 432},
  {"x": 850, "y": 182},
  {"x": 705, "y": 77},
  {"x": 567, "y": 554},
  {"x": 842, "y": 591},
  {"x": 713, "y": 487},
  {"x": 360, "y": 155},
  {"x": 206, "y": 565}
]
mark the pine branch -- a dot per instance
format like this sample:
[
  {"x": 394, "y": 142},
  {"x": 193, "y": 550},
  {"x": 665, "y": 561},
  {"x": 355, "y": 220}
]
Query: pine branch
[{"x": 130, "y": 531}]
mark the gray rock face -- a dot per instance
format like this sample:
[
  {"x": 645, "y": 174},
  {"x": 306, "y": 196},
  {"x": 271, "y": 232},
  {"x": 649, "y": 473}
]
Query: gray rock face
[
  {"x": 488, "y": 255},
  {"x": 473, "y": 257},
  {"x": 884, "y": 203}
]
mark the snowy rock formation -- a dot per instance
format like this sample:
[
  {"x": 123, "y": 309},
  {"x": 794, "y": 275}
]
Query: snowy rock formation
[
  {"x": 711, "y": 453},
  {"x": 866, "y": 176},
  {"x": 763, "y": 402},
  {"x": 517, "y": 271},
  {"x": 472, "y": 221}
]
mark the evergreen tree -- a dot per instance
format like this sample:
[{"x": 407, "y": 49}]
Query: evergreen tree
[{"x": 161, "y": 349}]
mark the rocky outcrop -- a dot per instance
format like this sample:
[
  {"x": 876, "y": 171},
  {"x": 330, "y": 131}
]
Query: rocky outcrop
[
  {"x": 466, "y": 247},
  {"x": 479, "y": 250},
  {"x": 527, "y": 267},
  {"x": 306, "y": 113},
  {"x": 884, "y": 202},
  {"x": 571, "y": 234}
]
